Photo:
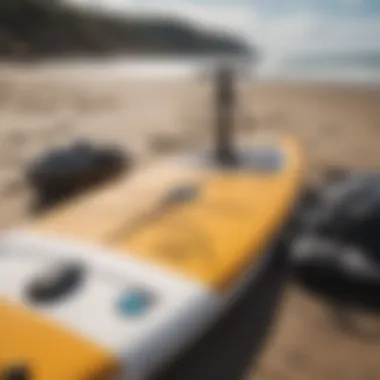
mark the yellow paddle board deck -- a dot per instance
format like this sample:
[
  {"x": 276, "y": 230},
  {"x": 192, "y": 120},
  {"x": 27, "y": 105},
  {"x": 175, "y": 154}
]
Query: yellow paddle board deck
[{"x": 197, "y": 220}]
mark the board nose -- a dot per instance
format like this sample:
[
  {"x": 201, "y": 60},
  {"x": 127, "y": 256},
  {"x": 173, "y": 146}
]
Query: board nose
[{"x": 34, "y": 348}]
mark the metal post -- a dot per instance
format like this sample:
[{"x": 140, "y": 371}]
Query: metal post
[{"x": 225, "y": 107}]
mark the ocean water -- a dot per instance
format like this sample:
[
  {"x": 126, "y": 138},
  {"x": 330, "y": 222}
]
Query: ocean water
[{"x": 360, "y": 67}]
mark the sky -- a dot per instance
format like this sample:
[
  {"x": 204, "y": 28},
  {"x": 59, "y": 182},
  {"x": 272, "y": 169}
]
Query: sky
[{"x": 277, "y": 27}]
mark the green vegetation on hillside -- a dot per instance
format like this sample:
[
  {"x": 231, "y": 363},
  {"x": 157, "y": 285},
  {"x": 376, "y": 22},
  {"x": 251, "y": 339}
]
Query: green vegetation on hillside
[{"x": 41, "y": 28}]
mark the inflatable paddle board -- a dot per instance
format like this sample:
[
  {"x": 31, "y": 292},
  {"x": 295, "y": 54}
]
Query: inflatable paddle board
[{"x": 116, "y": 284}]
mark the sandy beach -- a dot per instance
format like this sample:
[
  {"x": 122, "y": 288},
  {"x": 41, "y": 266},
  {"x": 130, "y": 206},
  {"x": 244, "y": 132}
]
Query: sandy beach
[{"x": 338, "y": 124}]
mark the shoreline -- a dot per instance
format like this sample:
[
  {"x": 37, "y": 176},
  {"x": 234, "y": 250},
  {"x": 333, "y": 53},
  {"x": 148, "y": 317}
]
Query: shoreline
[{"x": 183, "y": 68}]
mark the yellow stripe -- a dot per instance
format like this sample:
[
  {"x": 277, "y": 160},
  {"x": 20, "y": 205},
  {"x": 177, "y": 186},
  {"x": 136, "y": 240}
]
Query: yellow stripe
[{"x": 49, "y": 351}]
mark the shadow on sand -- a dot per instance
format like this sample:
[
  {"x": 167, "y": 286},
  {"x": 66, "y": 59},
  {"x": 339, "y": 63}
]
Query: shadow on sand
[
  {"x": 230, "y": 349},
  {"x": 346, "y": 300}
]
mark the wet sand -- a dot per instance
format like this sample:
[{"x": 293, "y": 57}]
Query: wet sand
[{"x": 338, "y": 124}]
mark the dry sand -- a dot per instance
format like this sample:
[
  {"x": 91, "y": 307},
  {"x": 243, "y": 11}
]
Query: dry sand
[{"x": 339, "y": 125}]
